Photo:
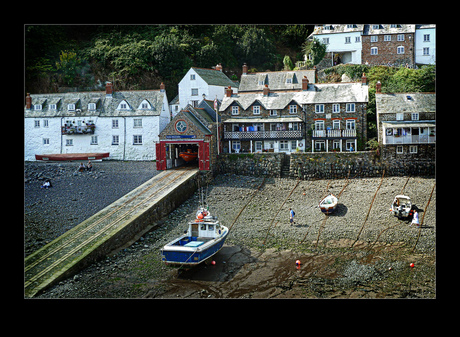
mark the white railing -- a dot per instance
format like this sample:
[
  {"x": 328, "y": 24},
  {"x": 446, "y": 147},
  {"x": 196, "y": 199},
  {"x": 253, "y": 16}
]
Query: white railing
[
  {"x": 334, "y": 133},
  {"x": 263, "y": 134},
  {"x": 410, "y": 139}
]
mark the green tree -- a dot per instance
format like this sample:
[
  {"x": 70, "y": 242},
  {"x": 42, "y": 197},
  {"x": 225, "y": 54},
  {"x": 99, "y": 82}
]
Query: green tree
[
  {"x": 316, "y": 48},
  {"x": 255, "y": 48},
  {"x": 288, "y": 65}
]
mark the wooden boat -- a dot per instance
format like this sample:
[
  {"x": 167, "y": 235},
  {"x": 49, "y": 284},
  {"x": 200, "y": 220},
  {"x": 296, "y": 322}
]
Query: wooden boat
[
  {"x": 204, "y": 238},
  {"x": 328, "y": 204},
  {"x": 189, "y": 155},
  {"x": 72, "y": 156},
  {"x": 401, "y": 206}
]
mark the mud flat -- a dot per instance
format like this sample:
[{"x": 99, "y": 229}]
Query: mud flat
[{"x": 342, "y": 257}]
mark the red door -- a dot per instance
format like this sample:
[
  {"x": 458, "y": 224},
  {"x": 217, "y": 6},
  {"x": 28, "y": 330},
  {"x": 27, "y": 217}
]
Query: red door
[
  {"x": 203, "y": 154},
  {"x": 161, "y": 156}
]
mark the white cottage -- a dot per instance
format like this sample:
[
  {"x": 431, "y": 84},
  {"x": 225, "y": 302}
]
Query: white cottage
[
  {"x": 124, "y": 123},
  {"x": 200, "y": 83}
]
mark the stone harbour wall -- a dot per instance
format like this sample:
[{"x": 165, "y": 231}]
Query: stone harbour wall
[{"x": 257, "y": 164}]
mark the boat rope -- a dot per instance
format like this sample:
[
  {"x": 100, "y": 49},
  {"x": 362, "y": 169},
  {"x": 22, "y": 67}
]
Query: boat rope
[
  {"x": 269, "y": 227},
  {"x": 423, "y": 217},
  {"x": 369, "y": 211}
]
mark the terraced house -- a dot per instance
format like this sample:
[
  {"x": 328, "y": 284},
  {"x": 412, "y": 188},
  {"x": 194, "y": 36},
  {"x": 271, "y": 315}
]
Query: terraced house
[{"x": 312, "y": 117}]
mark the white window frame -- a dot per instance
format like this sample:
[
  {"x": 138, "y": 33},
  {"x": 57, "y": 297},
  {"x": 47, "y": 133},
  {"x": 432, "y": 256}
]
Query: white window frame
[
  {"x": 36, "y": 123},
  {"x": 256, "y": 109},
  {"x": 319, "y": 108},
  {"x": 415, "y": 116},
  {"x": 374, "y": 38},
  {"x": 137, "y": 123},
  {"x": 350, "y": 124},
  {"x": 69, "y": 142},
  {"x": 258, "y": 145},
  {"x": 45, "y": 123},
  {"x": 319, "y": 125},
  {"x": 351, "y": 107},
  {"x": 194, "y": 92},
  {"x": 137, "y": 139},
  {"x": 236, "y": 145},
  {"x": 399, "y": 116},
  {"x": 374, "y": 51},
  {"x": 192, "y": 77},
  {"x": 115, "y": 140},
  {"x": 400, "y": 50},
  {"x": 91, "y": 106},
  {"x": 426, "y": 51},
  {"x": 115, "y": 124},
  {"x": 93, "y": 140},
  {"x": 235, "y": 110},
  {"x": 37, "y": 106},
  {"x": 387, "y": 38},
  {"x": 413, "y": 148},
  {"x": 336, "y": 124},
  {"x": 284, "y": 145},
  {"x": 71, "y": 107},
  {"x": 335, "y": 108},
  {"x": 347, "y": 39},
  {"x": 52, "y": 106},
  {"x": 399, "y": 149},
  {"x": 400, "y": 37},
  {"x": 293, "y": 109},
  {"x": 273, "y": 112},
  {"x": 426, "y": 37},
  {"x": 46, "y": 141}
]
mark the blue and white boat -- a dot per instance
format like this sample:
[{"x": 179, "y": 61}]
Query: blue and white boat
[{"x": 204, "y": 238}]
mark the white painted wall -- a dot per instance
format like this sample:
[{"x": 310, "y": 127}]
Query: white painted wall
[
  {"x": 337, "y": 44},
  {"x": 420, "y": 44}
]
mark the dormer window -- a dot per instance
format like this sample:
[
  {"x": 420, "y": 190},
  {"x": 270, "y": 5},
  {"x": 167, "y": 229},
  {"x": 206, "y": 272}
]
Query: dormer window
[
  {"x": 145, "y": 105},
  {"x": 123, "y": 106},
  {"x": 37, "y": 106},
  {"x": 92, "y": 106},
  {"x": 71, "y": 107},
  {"x": 53, "y": 107}
]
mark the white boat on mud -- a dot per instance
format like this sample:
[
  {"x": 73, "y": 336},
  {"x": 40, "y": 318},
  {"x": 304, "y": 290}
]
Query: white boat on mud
[
  {"x": 401, "y": 206},
  {"x": 328, "y": 204}
]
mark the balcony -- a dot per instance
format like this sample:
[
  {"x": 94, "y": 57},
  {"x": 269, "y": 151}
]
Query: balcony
[
  {"x": 78, "y": 130},
  {"x": 410, "y": 139},
  {"x": 263, "y": 135},
  {"x": 334, "y": 133}
]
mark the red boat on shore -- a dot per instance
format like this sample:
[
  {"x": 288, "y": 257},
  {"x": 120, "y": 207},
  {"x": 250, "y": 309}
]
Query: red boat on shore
[
  {"x": 72, "y": 156},
  {"x": 189, "y": 155}
]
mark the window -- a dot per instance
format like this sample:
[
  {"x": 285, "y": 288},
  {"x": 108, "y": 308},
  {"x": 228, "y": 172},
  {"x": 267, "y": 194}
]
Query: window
[
  {"x": 426, "y": 51},
  {"x": 236, "y": 146},
  {"x": 319, "y": 125},
  {"x": 374, "y": 38},
  {"x": 273, "y": 113},
  {"x": 37, "y": 106},
  {"x": 358, "y": 39},
  {"x": 45, "y": 123},
  {"x": 137, "y": 122},
  {"x": 375, "y": 26},
  {"x": 413, "y": 149},
  {"x": 320, "y": 145},
  {"x": 258, "y": 146},
  {"x": 400, "y": 37},
  {"x": 137, "y": 140},
  {"x": 69, "y": 142},
  {"x": 350, "y": 145},
  {"x": 400, "y": 116},
  {"x": 426, "y": 37},
  {"x": 284, "y": 145},
  {"x": 288, "y": 80},
  {"x": 293, "y": 109},
  {"x": 123, "y": 105},
  {"x": 71, "y": 107},
  {"x": 37, "y": 124},
  {"x": 52, "y": 106},
  {"x": 319, "y": 108},
  {"x": 350, "y": 107},
  {"x": 256, "y": 110},
  {"x": 115, "y": 140},
  {"x": 293, "y": 145},
  {"x": 325, "y": 40},
  {"x": 335, "y": 108},
  {"x": 46, "y": 141},
  {"x": 92, "y": 106},
  {"x": 347, "y": 39},
  {"x": 351, "y": 124},
  {"x": 336, "y": 144},
  {"x": 399, "y": 149},
  {"x": 374, "y": 51},
  {"x": 93, "y": 140},
  {"x": 144, "y": 105},
  {"x": 336, "y": 124},
  {"x": 235, "y": 110},
  {"x": 114, "y": 123},
  {"x": 194, "y": 92},
  {"x": 192, "y": 77},
  {"x": 387, "y": 38},
  {"x": 400, "y": 50},
  {"x": 414, "y": 116}
]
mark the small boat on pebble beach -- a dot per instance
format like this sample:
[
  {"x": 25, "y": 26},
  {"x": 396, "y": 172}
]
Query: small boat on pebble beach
[
  {"x": 328, "y": 204},
  {"x": 401, "y": 206}
]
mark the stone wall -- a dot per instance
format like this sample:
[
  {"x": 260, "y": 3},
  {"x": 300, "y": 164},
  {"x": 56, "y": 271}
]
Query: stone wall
[{"x": 257, "y": 164}]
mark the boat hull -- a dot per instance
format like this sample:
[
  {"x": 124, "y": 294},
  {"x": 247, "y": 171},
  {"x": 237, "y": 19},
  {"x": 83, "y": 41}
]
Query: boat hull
[
  {"x": 72, "y": 156},
  {"x": 172, "y": 254},
  {"x": 328, "y": 208},
  {"x": 187, "y": 156}
]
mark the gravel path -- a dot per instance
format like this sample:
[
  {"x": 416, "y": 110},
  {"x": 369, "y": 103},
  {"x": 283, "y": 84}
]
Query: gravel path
[
  {"x": 74, "y": 197},
  {"x": 371, "y": 268}
]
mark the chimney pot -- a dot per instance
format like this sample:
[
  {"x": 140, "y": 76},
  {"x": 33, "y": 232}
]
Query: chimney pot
[
  {"x": 28, "y": 102},
  {"x": 228, "y": 91},
  {"x": 162, "y": 87},
  {"x": 245, "y": 69},
  {"x": 219, "y": 67},
  {"x": 364, "y": 79},
  {"x": 266, "y": 90},
  {"x": 304, "y": 83},
  {"x": 109, "y": 89},
  {"x": 378, "y": 87}
]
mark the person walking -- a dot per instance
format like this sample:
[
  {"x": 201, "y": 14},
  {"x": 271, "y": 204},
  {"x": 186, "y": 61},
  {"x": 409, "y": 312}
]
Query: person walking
[
  {"x": 415, "y": 220},
  {"x": 291, "y": 216}
]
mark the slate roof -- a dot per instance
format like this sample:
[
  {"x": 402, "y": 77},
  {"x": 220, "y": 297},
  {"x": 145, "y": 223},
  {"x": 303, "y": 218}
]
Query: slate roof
[
  {"x": 316, "y": 93},
  {"x": 105, "y": 106},
  {"x": 214, "y": 77},
  {"x": 393, "y": 103},
  {"x": 276, "y": 80}
]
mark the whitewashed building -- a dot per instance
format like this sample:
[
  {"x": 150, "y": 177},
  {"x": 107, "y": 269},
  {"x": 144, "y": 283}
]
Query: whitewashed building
[
  {"x": 124, "y": 123},
  {"x": 199, "y": 84},
  {"x": 425, "y": 44}
]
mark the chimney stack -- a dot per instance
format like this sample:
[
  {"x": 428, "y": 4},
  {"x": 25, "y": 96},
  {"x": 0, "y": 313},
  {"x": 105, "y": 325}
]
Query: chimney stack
[
  {"x": 108, "y": 89},
  {"x": 266, "y": 90},
  {"x": 245, "y": 69},
  {"x": 378, "y": 87},
  {"x": 28, "y": 102},
  {"x": 364, "y": 79},
  {"x": 228, "y": 91},
  {"x": 304, "y": 83},
  {"x": 219, "y": 67},
  {"x": 162, "y": 87}
]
